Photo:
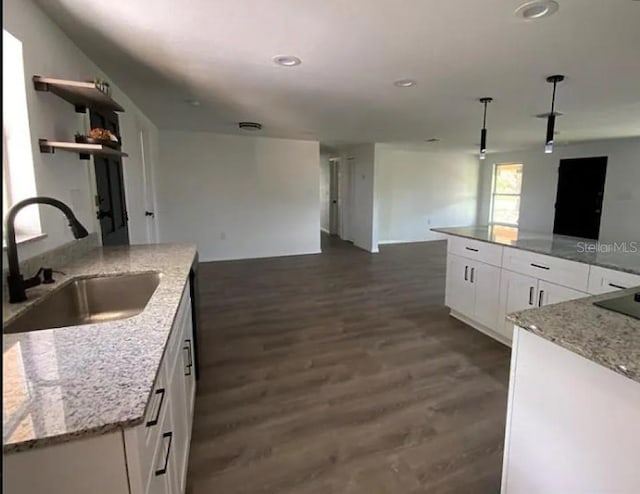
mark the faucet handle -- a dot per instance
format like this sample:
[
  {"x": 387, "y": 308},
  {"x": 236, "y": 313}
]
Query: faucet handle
[{"x": 47, "y": 274}]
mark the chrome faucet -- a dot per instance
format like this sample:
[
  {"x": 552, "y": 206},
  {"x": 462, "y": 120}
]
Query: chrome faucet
[{"x": 17, "y": 284}]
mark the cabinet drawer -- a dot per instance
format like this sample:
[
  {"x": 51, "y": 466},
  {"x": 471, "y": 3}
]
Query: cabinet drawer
[
  {"x": 176, "y": 338},
  {"x": 603, "y": 280},
  {"x": 159, "y": 463},
  {"x": 476, "y": 250},
  {"x": 561, "y": 271}
]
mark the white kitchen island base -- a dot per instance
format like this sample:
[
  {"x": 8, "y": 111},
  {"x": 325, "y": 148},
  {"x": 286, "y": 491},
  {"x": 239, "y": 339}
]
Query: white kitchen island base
[{"x": 573, "y": 426}]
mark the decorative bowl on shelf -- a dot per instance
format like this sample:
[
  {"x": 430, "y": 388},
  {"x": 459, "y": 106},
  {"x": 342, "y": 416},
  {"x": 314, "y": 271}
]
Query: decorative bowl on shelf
[{"x": 82, "y": 139}]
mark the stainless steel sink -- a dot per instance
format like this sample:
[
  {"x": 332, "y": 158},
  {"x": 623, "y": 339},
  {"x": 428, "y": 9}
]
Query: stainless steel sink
[{"x": 89, "y": 299}]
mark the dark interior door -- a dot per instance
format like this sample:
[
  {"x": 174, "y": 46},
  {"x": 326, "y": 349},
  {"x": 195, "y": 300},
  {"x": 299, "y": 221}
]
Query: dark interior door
[
  {"x": 110, "y": 201},
  {"x": 579, "y": 197}
]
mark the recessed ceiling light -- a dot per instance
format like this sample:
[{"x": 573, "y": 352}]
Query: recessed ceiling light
[
  {"x": 537, "y": 9},
  {"x": 405, "y": 83},
  {"x": 250, "y": 126},
  {"x": 192, "y": 102},
  {"x": 287, "y": 60}
]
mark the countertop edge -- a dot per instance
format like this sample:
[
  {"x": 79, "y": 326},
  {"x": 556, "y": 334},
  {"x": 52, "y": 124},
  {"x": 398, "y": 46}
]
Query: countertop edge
[
  {"x": 606, "y": 265},
  {"x": 43, "y": 442},
  {"x": 574, "y": 349}
]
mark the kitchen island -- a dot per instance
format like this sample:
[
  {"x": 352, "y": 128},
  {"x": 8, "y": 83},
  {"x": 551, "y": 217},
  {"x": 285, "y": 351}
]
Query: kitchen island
[
  {"x": 106, "y": 406},
  {"x": 573, "y": 418},
  {"x": 494, "y": 271}
]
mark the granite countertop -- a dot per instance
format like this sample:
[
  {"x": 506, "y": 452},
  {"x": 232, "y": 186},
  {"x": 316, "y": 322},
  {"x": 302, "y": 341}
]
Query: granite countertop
[
  {"x": 619, "y": 255},
  {"x": 63, "y": 383},
  {"x": 600, "y": 335}
]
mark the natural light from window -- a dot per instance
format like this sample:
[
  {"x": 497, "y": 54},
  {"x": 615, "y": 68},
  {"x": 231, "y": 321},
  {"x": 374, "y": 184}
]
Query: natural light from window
[
  {"x": 17, "y": 159},
  {"x": 505, "y": 197}
]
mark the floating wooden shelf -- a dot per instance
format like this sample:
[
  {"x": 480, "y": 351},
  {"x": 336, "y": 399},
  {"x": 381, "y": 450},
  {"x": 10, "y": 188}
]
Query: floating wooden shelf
[
  {"x": 84, "y": 150},
  {"x": 80, "y": 94}
]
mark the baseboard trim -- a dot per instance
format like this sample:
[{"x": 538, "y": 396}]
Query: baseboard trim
[
  {"x": 325, "y": 231},
  {"x": 391, "y": 242},
  {"x": 480, "y": 327},
  {"x": 268, "y": 256}
]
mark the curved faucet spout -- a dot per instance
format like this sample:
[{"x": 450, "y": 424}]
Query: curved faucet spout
[{"x": 17, "y": 285}]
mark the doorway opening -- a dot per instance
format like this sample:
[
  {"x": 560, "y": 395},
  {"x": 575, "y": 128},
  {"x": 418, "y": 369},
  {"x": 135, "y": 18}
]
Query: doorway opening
[
  {"x": 579, "y": 197},
  {"x": 330, "y": 214}
]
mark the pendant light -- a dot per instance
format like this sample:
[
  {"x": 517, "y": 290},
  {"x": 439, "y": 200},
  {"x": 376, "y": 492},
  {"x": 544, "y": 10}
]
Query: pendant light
[
  {"x": 551, "y": 120},
  {"x": 483, "y": 132}
]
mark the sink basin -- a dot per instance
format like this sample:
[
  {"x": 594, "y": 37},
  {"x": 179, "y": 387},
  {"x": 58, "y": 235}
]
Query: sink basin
[{"x": 89, "y": 299}]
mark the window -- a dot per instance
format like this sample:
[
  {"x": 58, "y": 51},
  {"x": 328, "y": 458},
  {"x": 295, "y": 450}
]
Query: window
[
  {"x": 18, "y": 174},
  {"x": 505, "y": 196}
]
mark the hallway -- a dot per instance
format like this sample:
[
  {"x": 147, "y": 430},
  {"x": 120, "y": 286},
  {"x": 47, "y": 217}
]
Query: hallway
[{"x": 343, "y": 373}]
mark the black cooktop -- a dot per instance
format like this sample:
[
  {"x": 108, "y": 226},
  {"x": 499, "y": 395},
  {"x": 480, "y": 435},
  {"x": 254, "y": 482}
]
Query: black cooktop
[{"x": 628, "y": 305}]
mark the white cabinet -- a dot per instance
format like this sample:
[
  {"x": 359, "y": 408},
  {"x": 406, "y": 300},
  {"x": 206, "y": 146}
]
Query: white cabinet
[
  {"x": 167, "y": 470},
  {"x": 475, "y": 250},
  {"x": 517, "y": 292},
  {"x": 573, "y": 426},
  {"x": 553, "y": 269},
  {"x": 150, "y": 458},
  {"x": 459, "y": 292},
  {"x": 603, "y": 280},
  {"x": 472, "y": 289},
  {"x": 486, "y": 280},
  {"x": 550, "y": 293}
]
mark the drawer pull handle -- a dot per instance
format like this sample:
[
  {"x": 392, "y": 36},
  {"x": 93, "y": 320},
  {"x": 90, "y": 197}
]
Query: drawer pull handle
[
  {"x": 189, "y": 358},
  {"x": 472, "y": 271},
  {"x": 539, "y": 266},
  {"x": 531, "y": 289},
  {"x": 540, "y": 298},
  {"x": 472, "y": 250},
  {"x": 466, "y": 270},
  {"x": 613, "y": 285},
  {"x": 155, "y": 420},
  {"x": 163, "y": 470}
]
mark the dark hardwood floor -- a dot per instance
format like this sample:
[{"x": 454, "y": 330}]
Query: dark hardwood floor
[{"x": 343, "y": 373}]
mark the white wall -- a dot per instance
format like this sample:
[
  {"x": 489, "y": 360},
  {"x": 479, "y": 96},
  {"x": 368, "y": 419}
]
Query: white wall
[
  {"x": 325, "y": 191},
  {"x": 540, "y": 180},
  {"x": 417, "y": 190},
  {"x": 358, "y": 176},
  {"x": 239, "y": 197},
  {"x": 49, "y": 52}
]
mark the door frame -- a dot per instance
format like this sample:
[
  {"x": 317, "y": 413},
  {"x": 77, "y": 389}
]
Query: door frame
[{"x": 148, "y": 182}]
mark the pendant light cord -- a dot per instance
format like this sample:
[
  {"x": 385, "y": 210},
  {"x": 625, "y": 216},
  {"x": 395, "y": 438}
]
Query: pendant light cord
[
  {"x": 484, "y": 119},
  {"x": 553, "y": 98}
]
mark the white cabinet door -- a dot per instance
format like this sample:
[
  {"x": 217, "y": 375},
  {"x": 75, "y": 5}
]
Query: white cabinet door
[
  {"x": 572, "y": 425},
  {"x": 602, "y": 280},
  {"x": 486, "y": 282},
  {"x": 550, "y": 293},
  {"x": 189, "y": 366},
  {"x": 459, "y": 294},
  {"x": 517, "y": 292}
]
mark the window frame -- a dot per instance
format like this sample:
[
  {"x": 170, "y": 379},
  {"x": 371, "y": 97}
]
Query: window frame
[
  {"x": 494, "y": 179},
  {"x": 18, "y": 167}
]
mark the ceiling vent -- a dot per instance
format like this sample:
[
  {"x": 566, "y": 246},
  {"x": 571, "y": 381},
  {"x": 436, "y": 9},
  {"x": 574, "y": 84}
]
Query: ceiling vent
[{"x": 250, "y": 126}]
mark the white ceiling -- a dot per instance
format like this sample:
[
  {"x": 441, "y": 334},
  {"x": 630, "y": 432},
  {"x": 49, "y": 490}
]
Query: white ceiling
[{"x": 219, "y": 52}]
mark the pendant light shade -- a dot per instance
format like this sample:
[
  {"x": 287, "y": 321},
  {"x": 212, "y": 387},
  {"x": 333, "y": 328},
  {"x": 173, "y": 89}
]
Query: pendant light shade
[
  {"x": 483, "y": 132},
  {"x": 551, "y": 119}
]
